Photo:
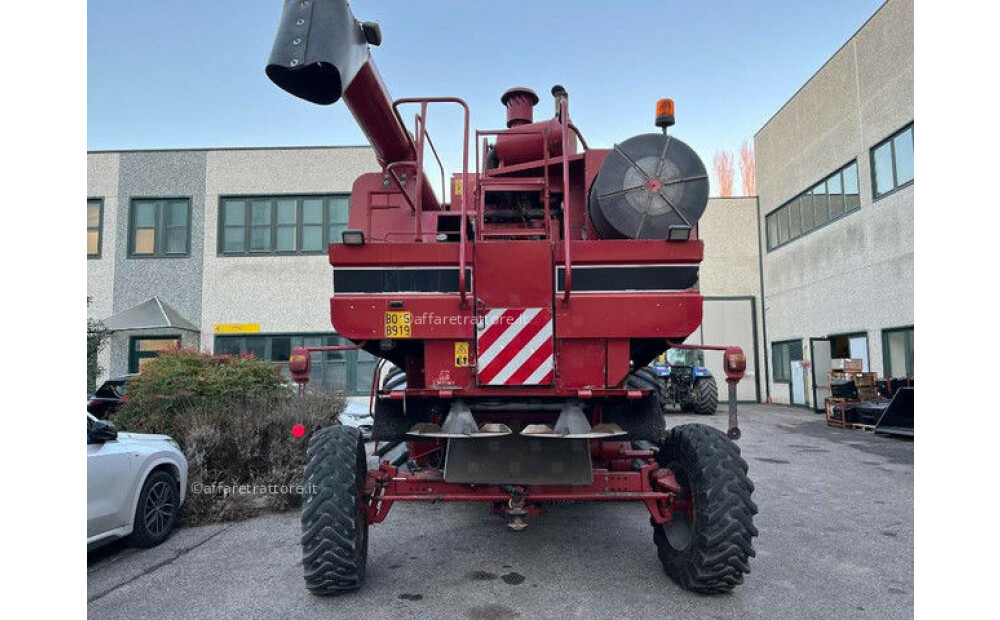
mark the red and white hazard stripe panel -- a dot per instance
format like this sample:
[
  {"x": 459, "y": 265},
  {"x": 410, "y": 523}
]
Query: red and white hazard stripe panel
[{"x": 514, "y": 346}]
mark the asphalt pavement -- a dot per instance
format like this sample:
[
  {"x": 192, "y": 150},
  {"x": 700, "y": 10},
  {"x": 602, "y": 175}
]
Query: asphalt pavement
[{"x": 836, "y": 540}]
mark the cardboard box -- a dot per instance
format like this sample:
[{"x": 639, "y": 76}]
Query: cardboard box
[{"x": 847, "y": 364}]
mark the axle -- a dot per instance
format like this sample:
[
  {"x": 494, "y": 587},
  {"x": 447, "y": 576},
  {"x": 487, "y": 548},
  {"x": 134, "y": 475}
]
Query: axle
[{"x": 651, "y": 484}]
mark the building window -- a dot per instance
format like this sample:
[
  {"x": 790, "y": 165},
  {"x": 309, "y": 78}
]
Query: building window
[
  {"x": 144, "y": 348},
  {"x": 850, "y": 346},
  {"x": 160, "y": 227},
  {"x": 892, "y": 162},
  {"x": 332, "y": 371},
  {"x": 250, "y": 225},
  {"x": 782, "y": 356},
  {"x": 897, "y": 352},
  {"x": 834, "y": 197},
  {"x": 95, "y": 223}
]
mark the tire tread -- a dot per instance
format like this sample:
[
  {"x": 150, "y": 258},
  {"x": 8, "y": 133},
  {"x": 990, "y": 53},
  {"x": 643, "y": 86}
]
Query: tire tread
[
  {"x": 335, "y": 466},
  {"x": 720, "y": 553}
]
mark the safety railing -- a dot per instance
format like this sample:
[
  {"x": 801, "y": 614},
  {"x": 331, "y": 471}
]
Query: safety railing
[
  {"x": 416, "y": 203},
  {"x": 484, "y": 134}
]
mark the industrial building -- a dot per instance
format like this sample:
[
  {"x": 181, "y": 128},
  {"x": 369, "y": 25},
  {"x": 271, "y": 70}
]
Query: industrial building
[
  {"x": 221, "y": 250},
  {"x": 224, "y": 249},
  {"x": 835, "y": 184}
]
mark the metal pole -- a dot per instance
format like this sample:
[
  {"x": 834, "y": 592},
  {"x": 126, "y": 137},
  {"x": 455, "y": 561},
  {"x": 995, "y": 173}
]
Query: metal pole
[{"x": 734, "y": 427}]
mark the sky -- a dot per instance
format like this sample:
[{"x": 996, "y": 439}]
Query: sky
[{"x": 190, "y": 73}]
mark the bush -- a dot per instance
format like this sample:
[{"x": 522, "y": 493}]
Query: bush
[
  {"x": 180, "y": 383},
  {"x": 232, "y": 418},
  {"x": 243, "y": 459}
]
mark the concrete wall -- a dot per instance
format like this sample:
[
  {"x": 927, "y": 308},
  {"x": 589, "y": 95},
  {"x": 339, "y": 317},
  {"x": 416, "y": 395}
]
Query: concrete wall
[
  {"x": 731, "y": 268},
  {"x": 854, "y": 274},
  {"x": 282, "y": 293},
  {"x": 177, "y": 281},
  {"x": 102, "y": 182}
]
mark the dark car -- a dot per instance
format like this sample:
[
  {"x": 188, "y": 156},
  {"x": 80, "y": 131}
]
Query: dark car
[{"x": 109, "y": 397}]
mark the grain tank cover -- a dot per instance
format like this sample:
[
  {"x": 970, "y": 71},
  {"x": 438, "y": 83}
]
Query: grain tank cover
[
  {"x": 646, "y": 185},
  {"x": 318, "y": 50}
]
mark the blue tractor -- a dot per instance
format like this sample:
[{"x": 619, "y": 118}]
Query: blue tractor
[{"x": 686, "y": 381}]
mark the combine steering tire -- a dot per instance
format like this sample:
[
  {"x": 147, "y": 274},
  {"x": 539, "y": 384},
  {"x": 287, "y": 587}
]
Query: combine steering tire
[
  {"x": 708, "y": 548},
  {"x": 706, "y": 396},
  {"x": 334, "y": 526}
]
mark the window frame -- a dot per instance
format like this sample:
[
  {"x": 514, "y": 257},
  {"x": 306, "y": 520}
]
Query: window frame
[
  {"x": 891, "y": 140},
  {"x": 160, "y": 227},
  {"x": 774, "y": 244},
  {"x": 849, "y": 335},
  {"x": 774, "y": 365},
  {"x": 99, "y": 228},
  {"x": 134, "y": 355},
  {"x": 299, "y": 199},
  {"x": 907, "y": 348}
]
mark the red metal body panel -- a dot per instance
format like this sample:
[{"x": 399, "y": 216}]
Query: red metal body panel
[
  {"x": 581, "y": 362},
  {"x": 636, "y": 315},
  {"x": 435, "y": 317},
  {"x": 513, "y": 273},
  {"x": 632, "y": 252},
  {"x": 396, "y": 254}
]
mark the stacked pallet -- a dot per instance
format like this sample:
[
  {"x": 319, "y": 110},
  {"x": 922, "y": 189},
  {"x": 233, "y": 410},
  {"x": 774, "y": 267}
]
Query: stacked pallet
[
  {"x": 864, "y": 381},
  {"x": 838, "y": 409}
]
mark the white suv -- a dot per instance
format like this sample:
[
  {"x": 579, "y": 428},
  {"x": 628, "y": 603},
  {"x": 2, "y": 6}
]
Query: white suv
[{"x": 135, "y": 485}]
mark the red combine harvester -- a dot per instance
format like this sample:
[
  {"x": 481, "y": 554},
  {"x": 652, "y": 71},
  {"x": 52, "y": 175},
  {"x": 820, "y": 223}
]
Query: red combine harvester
[{"x": 520, "y": 311}]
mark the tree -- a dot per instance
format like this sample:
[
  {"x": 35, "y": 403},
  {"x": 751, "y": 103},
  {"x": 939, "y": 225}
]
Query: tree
[
  {"x": 748, "y": 169},
  {"x": 97, "y": 337},
  {"x": 724, "y": 173}
]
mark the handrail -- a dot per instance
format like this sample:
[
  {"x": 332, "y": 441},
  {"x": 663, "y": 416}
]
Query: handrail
[
  {"x": 462, "y": 242},
  {"x": 579, "y": 135},
  {"x": 444, "y": 194},
  {"x": 567, "y": 262}
]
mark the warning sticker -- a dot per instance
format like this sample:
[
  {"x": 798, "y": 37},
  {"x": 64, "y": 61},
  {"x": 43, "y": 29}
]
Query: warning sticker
[{"x": 461, "y": 354}]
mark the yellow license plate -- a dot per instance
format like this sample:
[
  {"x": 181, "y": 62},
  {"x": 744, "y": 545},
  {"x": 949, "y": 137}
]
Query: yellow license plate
[{"x": 398, "y": 324}]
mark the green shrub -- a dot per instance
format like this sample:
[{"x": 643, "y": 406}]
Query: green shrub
[
  {"x": 249, "y": 444},
  {"x": 233, "y": 419},
  {"x": 179, "y": 383}
]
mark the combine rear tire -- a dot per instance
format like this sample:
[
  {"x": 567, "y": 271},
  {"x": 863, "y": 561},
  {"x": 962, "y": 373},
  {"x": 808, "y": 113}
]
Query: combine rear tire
[
  {"x": 706, "y": 396},
  {"x": 334, "y": 525},
  {"x": 646, "y": 379},
  {"x": 643, "y": 418},
  {"x": 395, "y": 379},
  {"x": 708, "y": 549}
]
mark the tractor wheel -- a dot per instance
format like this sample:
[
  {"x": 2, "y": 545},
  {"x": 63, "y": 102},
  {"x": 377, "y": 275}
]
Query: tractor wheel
[
  {"x": 706, "y": 396},
  {"x": 707, "y": 549},
  {"x": 334, "y": 524}
]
